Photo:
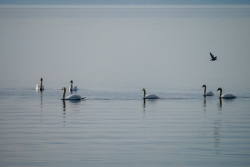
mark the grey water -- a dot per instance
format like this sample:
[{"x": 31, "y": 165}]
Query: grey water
[{"x": 106, "y": 51}]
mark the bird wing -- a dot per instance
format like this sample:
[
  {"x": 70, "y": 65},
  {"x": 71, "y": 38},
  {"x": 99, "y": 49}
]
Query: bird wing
[{"x": 212, "y": 56}]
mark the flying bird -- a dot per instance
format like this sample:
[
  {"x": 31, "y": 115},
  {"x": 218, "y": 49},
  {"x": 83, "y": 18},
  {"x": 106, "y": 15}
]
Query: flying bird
[{"x": 212, "y": 57}]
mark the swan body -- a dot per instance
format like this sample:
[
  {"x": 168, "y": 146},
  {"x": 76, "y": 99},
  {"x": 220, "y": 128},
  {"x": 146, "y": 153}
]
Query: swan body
[
  {"x": 72, "y": 96},
  {"x": 40, "y": 87},
  {"x": 225, "y": 96},
  {"x": 209, "y": 93},
  {"x": 72, "y": 88},
  {"x": 149, "y": 96},
  {"x": 213, "y": 58}
]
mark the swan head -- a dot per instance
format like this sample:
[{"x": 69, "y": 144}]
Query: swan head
[
  {"x": 71, "y": 81},
  {"x": 203, "y": 86},
  {"x": 63, "y": 88},
  {"x": 41, "y": 79},
  {"x": 143, "y": 89},
  {"x": 219, "y": 89}
]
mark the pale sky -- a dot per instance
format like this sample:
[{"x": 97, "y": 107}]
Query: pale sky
[
  {"x": 126, "y": 2},
  {"x": 125, "y": 47}
]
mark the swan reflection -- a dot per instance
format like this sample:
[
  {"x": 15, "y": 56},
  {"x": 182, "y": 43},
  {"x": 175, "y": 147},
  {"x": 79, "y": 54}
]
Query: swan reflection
[
  {"x": 221, "y": 100},
  {"x": 150, "y": 101},
  {"x": 204, "y": 102},
  {"x": 144, "y": 103},
  {"x": 204, "y": 105},
  {"x": 41, "y": 104},
  {"x": 217, "y": 134},
  {"x": 64, "y": 106},
  {"x": 64, "y": 112},
  {"x": 220, "y": 105}
]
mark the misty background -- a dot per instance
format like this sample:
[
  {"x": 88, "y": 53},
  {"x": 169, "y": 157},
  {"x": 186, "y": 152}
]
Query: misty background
[{"x": 125, "y": 46}]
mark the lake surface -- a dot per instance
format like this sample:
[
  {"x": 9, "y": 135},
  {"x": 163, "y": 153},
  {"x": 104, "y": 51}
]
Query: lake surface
[
  {"x": 114, "y": 126},
  {"x": 120, "y": 129}
]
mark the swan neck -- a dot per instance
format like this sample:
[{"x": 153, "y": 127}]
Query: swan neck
[
  {"x": 205, "y": 89},
  {"x": 220, "y": 92},
  {"x": 41, "y": 85},
  {"x": 71, "y": 86},
  {"x": 64, "y": 91},
  {"x": 144, "y": 92}
]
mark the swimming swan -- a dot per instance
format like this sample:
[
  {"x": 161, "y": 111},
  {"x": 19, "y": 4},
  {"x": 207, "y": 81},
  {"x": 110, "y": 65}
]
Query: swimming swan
[
  {"x": 225, "y": 96},
  {"x": 209, "y": 93},
  {"x": 149, "y": 96},
  {"x": 72, "y": 88},
  {"x": 71, "y": 97},
  {"x": 40, "y": 87}
]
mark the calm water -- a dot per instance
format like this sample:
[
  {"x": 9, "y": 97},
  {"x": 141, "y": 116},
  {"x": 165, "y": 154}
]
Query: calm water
[
  {"x": 120, "y": 129},
  {"x": 114, "y": 126}
]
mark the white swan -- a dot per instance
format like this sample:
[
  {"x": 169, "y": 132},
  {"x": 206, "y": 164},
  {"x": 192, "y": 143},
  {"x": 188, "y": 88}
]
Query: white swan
[
  {"x": 225, "y": 96},
  {"x": 72, "y": 88},
  {"x": 209, "y": 93},
  {"x": 40, "y": 87},
  {"x": 149, "y": 96},
  {"x": 71, "y": 97}
]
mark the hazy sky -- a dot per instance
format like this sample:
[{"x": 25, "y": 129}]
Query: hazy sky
[
  {"x": 125, "y": 47},
  {"x": 122, "y": 2}
]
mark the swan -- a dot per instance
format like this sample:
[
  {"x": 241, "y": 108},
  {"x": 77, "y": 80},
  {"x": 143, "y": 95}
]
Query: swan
[
  {"x": 72, "y": 88},
  {"x": 209, "y": 93},
  {"x": 72, "y": 96},
  {"x": 149, "y": 96},
  {"x": 40, "y": 87},
  {"x": 225, "y": 96},
  {"x": 213, "y": 58}
]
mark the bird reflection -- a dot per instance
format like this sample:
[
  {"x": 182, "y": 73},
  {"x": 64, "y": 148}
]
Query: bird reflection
[
  {"x": 149, "y": 101},
  {"x": 64, "y": 112},
  {"x": 217, "y": 135},
  {"x": 204, "y": 105},
  {"x": 41, "y": 104},
  {"x": 204, "y": 102},
  {"x": 217, "y": 127},
  {"x": 204, "y": 108},
  {"x": 144, "y": 107},
  {"x": 64, "y": 106},
  {"x": 144, "y": 103},
  {"x": 220, "y": 105}
]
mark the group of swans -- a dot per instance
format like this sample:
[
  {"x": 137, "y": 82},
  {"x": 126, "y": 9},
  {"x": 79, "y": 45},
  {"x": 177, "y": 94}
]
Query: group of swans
[
  {"x": 145, "y": 96},
  {"x": 224, "y": 96},
  {"x": 71, "y": 88},
  {"x": 209, "y": 93},
  {"x": 72, "y": 96}
]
